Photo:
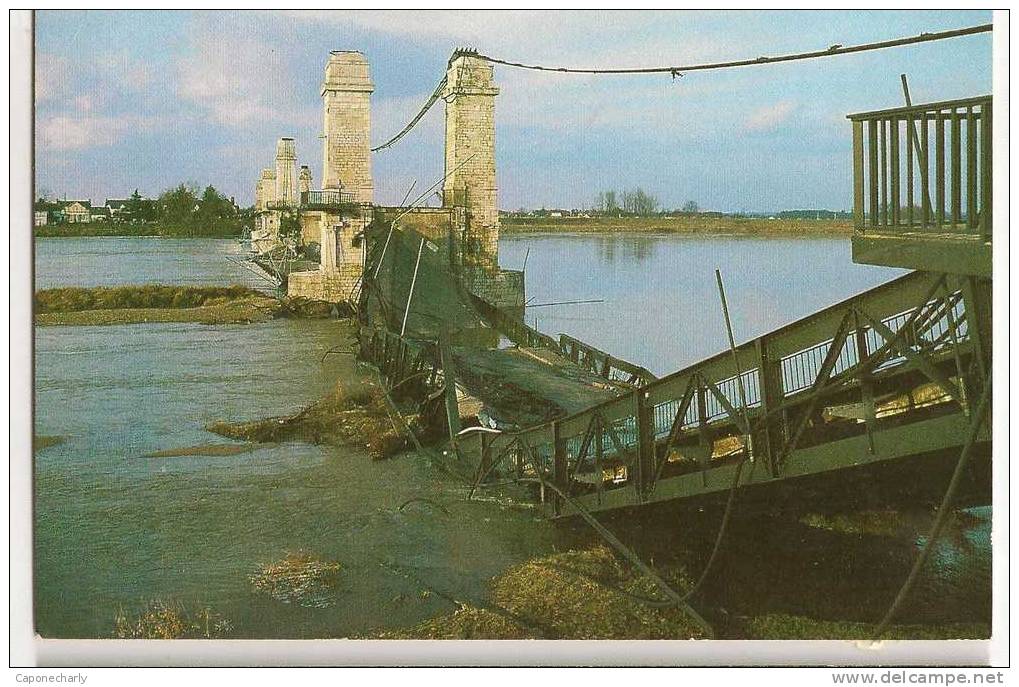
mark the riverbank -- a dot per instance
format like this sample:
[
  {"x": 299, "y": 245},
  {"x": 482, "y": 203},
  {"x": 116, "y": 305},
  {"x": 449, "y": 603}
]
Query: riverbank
[
  {"x": 223, "y": 229},
  {"x": 698, "y": 225},
  {"x": 588, "y": 593},
  {"x": 78, "y": 306}
]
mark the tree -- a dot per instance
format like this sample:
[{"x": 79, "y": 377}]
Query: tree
[
  {"x": 138, "y": 209},
  {"x": 609, "y": 201},
  {"x": 691, "y": 207},
  {"x": 213, "y": 207},
  {"x": 177, "y": 206}
]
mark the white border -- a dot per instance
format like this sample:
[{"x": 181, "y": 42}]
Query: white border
[{"x": 27, "y": 650}]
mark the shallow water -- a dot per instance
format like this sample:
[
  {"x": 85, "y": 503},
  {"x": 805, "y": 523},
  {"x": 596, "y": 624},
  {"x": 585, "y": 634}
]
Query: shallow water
[{"x": 115, "y": 530}]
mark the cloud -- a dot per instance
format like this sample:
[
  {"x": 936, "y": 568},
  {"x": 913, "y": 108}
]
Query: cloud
[
  {"x": 240, "y": 82},
  {"x": 769, "y": 117},
  {"x": 69, "y": 132},
  {"x": 52, "y": 77}
]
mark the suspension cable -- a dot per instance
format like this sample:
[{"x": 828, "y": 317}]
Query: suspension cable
[
  {"x": 417, "y": 118},
  {"x": 831, "y": 51}
]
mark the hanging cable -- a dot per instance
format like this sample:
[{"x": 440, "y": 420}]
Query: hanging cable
[
  {"x": 417, "y": 118},
  {"x": 831, "y": 51}
]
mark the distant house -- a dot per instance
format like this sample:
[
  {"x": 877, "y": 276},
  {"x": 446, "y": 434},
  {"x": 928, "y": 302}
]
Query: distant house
[
  {"x": 100, "y": 214},
  {"x": 77, "y": 210},
  {"x": 118, "y": 209},
  {"x": 41, "y": 218}
]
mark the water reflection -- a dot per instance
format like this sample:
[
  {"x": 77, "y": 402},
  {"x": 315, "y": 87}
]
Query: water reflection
[{"x": 661, "y": 307}]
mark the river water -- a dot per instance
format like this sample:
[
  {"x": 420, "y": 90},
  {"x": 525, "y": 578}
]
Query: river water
[{"x": 114, "y": 529}]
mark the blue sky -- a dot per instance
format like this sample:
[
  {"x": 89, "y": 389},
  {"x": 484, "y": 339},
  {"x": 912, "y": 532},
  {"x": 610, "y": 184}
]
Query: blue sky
[{"x": 145, "y": 100}]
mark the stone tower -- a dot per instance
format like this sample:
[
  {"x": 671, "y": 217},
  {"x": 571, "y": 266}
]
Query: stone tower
[
  {"x": 265, "y": 189},
  {"x": 346, "y": 95},
  {"x": 304, "y": 183},
  {"x": 470, "y": 150},
  {"x": 286, "y": 177}
]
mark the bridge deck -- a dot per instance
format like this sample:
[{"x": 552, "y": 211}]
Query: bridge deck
[
  {"x": 528, "y": 386},
  {"x": 881, "y": 378}
]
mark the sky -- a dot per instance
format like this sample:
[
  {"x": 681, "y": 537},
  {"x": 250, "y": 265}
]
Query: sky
[{"x": 148, "y": 100}]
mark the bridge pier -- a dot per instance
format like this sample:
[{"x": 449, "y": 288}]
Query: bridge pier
[{"x": 470, "y": 152}]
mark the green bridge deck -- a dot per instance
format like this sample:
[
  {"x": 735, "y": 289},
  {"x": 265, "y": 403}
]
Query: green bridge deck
[{"x": 885, "y": 379}]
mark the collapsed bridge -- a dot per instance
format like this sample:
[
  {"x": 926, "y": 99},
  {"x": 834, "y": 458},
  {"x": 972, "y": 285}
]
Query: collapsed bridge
[{"x": 875, "y": 396}]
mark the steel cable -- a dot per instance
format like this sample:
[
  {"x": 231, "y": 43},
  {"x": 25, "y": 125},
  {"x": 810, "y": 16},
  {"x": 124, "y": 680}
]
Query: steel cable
[
  {"x": 678, "y": 70},
  {"x": 417, "y": 118}
]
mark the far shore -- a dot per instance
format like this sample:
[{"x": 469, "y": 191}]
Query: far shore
[
  {"x": 695, "y": 225},
  {"x": 700, "y": 225}
]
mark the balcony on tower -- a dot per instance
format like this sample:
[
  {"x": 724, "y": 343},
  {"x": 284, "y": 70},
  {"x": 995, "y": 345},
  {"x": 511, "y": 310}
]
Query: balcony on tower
[{"x": 922, "y": 186}]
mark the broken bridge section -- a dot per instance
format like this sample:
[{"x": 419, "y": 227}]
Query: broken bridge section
[{"x": 422, "y": 293}]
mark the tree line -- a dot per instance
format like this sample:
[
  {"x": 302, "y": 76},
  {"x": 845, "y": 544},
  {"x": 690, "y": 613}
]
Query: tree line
[
  {"x": 635, "y": 203},
  {"x": 183, "y": 210}
]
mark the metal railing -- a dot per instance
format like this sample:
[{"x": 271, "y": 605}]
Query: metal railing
[
  {"x": 885, "y": 343},
  {"x": 327, "y": 198},
  {"x": 924, "y": 168}
]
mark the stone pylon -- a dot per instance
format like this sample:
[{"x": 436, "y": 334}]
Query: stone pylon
[
  {"x": 346, "y": 96},
  {"x": 304, "y": 182},
  {"x": 265, "y": 189},
  {"x": 470, "y": 151},
  {"x": 286, "y": 176}
]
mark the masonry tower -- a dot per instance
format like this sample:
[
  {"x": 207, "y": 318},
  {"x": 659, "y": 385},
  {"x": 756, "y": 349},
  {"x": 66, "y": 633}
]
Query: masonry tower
[
  {"x": 304, "y": 183},
  {"x": 265, "y": 189},
  {"x": 286, "y": 177},
  {"x": 346, "y": 94},
  {"x": 470, "y": 151}
]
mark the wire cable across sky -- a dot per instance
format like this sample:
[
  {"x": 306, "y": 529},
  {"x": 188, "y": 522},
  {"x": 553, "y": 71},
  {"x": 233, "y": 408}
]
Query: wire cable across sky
[
  {"x": 679, "y": 70},
  {"x": 831, "y": 51}
]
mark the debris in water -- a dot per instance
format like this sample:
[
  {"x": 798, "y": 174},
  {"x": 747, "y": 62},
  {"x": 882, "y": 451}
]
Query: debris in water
[
  {"x": 41, "y": 442},
  {"x": 300, "y": 578},
  {"x": 349, "y": 415}
]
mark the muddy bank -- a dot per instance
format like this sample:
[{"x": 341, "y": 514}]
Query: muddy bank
[
  {"x": 157, "y": 303},
  {"x": 207, "y": 450},
  {"x": 792, "y": 593}
]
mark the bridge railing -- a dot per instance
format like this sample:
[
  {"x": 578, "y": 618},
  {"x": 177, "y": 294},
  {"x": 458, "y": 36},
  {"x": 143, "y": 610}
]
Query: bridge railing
[
  {"x": 327, "y": 198},
  {"x": 895, "y": 354},
  {"x": 924, "y": 168}
]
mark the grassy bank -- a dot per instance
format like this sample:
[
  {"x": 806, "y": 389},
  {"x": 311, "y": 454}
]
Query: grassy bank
[
  {"x": 223, "y": 229},
  {"x": 159, "y": 303},
  {"x": 700, "y": 225},
  {"x": 589, "y": 594}
]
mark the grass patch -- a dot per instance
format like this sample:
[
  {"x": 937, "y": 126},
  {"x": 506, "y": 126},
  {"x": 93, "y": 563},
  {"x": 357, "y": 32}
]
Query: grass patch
[
  {"x": 78, "y": 299},
  {"x": 41, "y": 442},
  {"x": 171, "y": 620},
  {"x": 301, "y": 579},
  {"x": 780, "y": 626},
  {"x": 224, "y": 228},
  {"x": 350, "y": 415},
  {"x": 584, "y": 594}
]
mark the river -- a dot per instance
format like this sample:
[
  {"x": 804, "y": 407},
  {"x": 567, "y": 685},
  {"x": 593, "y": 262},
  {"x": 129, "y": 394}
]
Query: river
[{"x": 114, "y": 529}]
